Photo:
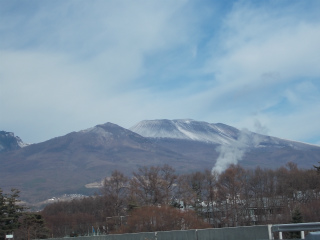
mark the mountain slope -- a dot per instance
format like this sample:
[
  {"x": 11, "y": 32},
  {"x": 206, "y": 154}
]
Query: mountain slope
[
  {"x": 221, "y": 145},
  {"x": 186, "y": 129},
  {"x": 218, "y": 133},
  {"x": 66, "y": 164}
]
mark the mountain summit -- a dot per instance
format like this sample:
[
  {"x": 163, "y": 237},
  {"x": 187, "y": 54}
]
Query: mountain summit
[
  {"x": 187, "y": 129},
  {"x": 9, "y": 142},
  {"x": 214, "y": 133}
]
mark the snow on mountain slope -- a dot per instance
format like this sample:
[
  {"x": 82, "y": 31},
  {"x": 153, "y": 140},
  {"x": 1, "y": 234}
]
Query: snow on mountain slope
[
  {"x": 217, "y": 133},
  {"x": 187, "y": 129}
]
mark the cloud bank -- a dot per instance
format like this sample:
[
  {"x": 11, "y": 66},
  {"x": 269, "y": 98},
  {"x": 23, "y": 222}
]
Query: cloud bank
[{"x": 67, "y": 66}]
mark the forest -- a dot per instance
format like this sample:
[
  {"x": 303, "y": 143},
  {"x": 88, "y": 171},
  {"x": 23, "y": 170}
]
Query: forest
[{"x": 158, "y": 199}]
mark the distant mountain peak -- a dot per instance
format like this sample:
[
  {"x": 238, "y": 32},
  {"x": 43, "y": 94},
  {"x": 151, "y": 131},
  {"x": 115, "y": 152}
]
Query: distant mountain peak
[
  {"x": 108, "y": 134},
  {"x": 110, "y": 126},
  {"x": 187, "y": 129},
  {"x": 107, "y": 128},
  {"x": 8, "y": 142},
  {"x": 216, "y": 133}
]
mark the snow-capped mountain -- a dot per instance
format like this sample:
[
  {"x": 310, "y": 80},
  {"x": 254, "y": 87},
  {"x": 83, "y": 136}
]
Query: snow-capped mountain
[
  {"x": 8, "y": 142},
  {"x": 216, "y": 133},
  {"x": 187, "y": 129},
  {"x": 66, "y": 164}
]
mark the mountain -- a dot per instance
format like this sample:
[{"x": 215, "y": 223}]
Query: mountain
[
  {"x": 188, "y": 129},
  {"x": 220, "y": 144},
  {"x": 9, "y": 142},
  {"x": 67, "y": 164}
]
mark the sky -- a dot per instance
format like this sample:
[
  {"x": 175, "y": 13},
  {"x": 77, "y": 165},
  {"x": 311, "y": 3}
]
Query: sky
[{"x": 68, "y": 65}]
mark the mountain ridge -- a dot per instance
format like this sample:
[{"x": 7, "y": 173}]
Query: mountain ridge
[
  {"x": 184, "y": 129},
  {"x": 66, "y": 164},
  {"x": 9, "y": 142}
]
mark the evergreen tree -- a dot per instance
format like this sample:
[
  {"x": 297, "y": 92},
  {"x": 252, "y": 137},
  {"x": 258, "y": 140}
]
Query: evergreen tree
[
  {"x": 10, "y": 211},
  {"x": 2, "y": 214},
  {"x": 296, "y": 218},
  {"x": 317, "y": 168},
  {"x": 32, "y": 226}
]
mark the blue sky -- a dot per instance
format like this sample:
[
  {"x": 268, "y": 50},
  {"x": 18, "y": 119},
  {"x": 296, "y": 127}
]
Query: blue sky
[{"x": 70, "y": 65}]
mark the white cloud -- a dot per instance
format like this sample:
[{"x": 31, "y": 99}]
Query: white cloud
[
  {"x": 76, "y": 64},
  {"x": 288, "y": 50},
  {"x": 262, "y": 54}
]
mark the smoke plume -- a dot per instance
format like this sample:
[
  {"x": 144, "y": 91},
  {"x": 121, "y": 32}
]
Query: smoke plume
[
  {"x": 234, "y": 152},
  {"x": 231, "y": 154}
]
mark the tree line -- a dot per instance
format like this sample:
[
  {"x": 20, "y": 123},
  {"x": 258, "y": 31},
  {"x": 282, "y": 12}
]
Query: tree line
[{"x": 156, "y": 198}]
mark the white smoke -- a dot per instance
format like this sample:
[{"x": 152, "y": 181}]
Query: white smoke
[
  {"x": 233, "y": 153},
  {"x": 259, "y": 128}
]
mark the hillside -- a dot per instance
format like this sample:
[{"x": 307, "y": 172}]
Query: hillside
[{"x": 64, "y": 165}]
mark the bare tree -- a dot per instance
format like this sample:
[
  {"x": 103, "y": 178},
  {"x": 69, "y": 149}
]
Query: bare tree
[
  {"x": 231, "y": 185},
  {"x": 210, "y": 195},
  {"x": 162, "y": 218},
  {"x": 115, "y": 192},
  {"x": 233, "y": 198},
  {"x": 153, "y": 185},
  {"x": 185, "y": 193},
  {"x": 168, "y": 182}
]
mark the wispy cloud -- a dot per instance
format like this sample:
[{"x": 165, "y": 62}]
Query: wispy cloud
[
  {"x": 267, "y": 55},
  {"x": 69, "y": 65}
]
